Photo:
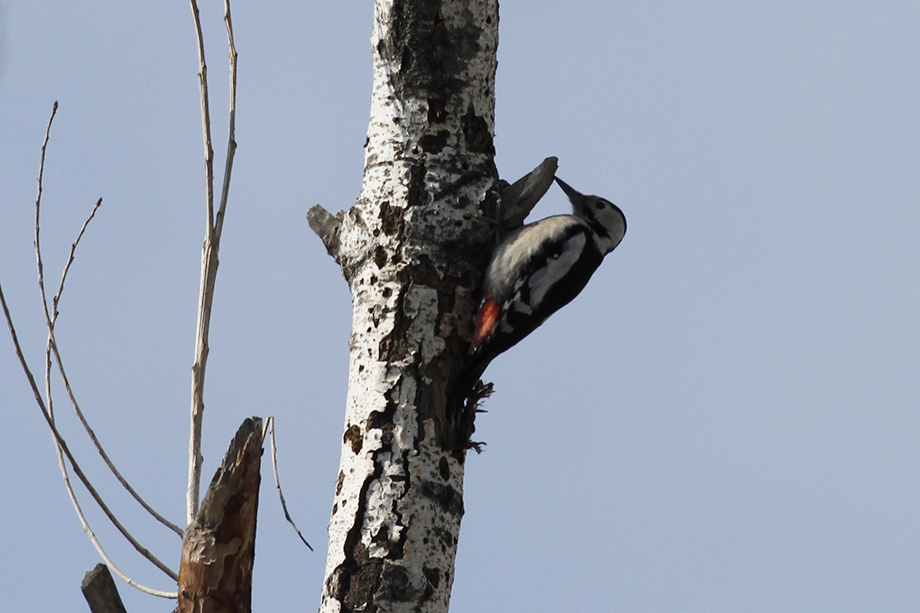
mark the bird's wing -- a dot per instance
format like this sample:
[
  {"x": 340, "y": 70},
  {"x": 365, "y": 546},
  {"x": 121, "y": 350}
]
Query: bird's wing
[
  {"x": 524, "y": 266},
  {"x": 531, "y": 249}
]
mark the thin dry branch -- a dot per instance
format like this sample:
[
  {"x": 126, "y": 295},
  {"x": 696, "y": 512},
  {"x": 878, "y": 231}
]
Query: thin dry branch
[
  {"x": 231, "y": 132},
  {"x": 50, "y": 321},
  {"x": 205, "y": 115},
  {"x": 209, "y": 252},
  {"x": 204, "y": 310},
  {"x": 79, "y": 472},
  {"x": 73, "y": 250},
  {"x": 270, "y": 427},
  {"x": 47, "y": 411},
  {"x": 38, "y": 197}
]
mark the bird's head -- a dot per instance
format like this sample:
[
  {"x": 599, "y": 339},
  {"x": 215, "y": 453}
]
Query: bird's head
[{"x": 605, "y": 218}]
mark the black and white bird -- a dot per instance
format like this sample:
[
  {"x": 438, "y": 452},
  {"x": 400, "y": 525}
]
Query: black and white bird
[{"x": 537, "y": 270}]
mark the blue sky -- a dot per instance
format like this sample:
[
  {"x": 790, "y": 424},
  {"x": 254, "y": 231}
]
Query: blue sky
[{"x": 725, "y": 420}]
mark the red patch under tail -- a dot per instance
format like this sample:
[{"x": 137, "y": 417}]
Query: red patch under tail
[{"x": 486, "y": 322}]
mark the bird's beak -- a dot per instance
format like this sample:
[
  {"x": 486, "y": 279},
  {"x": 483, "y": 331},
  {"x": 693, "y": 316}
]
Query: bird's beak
[{"x": 574, "y": 196}]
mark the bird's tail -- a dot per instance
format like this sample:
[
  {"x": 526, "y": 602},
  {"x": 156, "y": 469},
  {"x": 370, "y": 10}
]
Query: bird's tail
[{"x": 463, "y": 400}]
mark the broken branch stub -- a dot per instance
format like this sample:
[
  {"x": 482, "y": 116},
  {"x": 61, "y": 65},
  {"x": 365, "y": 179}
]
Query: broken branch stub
[
  {"x": 100, "y": 592},
  {"x": 219, "y": 545},
  {"x": 326, "y": 225},
  {"x": 519, "y": 198}
]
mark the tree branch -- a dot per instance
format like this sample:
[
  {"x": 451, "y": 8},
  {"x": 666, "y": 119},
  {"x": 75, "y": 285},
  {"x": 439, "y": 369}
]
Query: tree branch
[
  {"x": 62, "y": 446},
  {"x": 270, "y": 428},
  {"x": 231, "y": 132},
  {"x": 209, "y": 252},
  {"x": 47, "y": 412},
  {"x": 208, "y": 262},
  {"x": 50, "y": 321}
]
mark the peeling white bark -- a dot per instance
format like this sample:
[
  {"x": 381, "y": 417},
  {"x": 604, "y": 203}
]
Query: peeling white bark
[{"x": 412, "y": 249}]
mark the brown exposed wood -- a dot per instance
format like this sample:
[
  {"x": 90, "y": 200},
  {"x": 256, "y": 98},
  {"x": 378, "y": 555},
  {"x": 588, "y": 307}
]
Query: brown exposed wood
[
  {"x": 100, "y": 591},
  {"x": 218, "y": 548}
]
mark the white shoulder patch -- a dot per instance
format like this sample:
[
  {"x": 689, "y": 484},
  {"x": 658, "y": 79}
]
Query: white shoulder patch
[
  {"x": 556, "y": 268},
  {"x": 522, "y": 245}
]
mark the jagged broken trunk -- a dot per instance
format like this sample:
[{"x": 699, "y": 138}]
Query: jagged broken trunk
[{"x": 412, "y": 249}]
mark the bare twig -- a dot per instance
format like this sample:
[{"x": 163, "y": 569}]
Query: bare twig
[
  {"x": 62, "y": 446},
  {"x": 231, "y": 133},
  {"x": 50, "y": 321},
  {"x": 208, "y": 261},
  {"x": 205, "y": 116},
  {"x": 209, "y": 252},
  {"x": 38, "y": 197},
  {"x": 270, "y": 427},
  {"x": 48, "y": 411},
  {"x": 70, "y": 259}
]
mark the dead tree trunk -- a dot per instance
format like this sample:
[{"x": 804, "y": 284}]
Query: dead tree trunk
[{"x": 412, "y": 249}]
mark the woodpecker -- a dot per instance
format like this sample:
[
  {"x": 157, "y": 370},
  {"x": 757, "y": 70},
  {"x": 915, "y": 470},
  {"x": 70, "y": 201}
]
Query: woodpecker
[{"x": 537, "y": 270}]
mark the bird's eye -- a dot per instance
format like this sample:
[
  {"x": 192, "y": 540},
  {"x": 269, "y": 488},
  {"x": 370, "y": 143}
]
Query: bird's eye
[{"x": 600, "y": 204}]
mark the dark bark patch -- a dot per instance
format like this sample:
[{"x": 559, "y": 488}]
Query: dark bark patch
[
  {"x": 382, "y": 538},
  {"x": 393, "y": 347},
  {"x": 444, "y": 468},
  {"x": 362, "y": 586},
  {"x": 433, "y": 575},
  {"x": 425, "y": 272},
  {"x": 434, "y": 143},
  {"x": 431, "y": 53},
  {"x": 423, "y": 47},
  {"x": 437, "y": 111},
  {"x": 444, "y": 537},
  {"x": 339, "y": 482},
  {"x": 476, "y": 133},
  {"x": 354, "y": 438},
  {"x": 383, "y": 421},
  {"x": 396, "y": 585},
  {"x": 380, "y": 256},
  {"x": 417, "y": 190},
  {"x": 391, "y": 219},
  {"x": 447, "y": 291},
  {"x": 445, "y": 496}
]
